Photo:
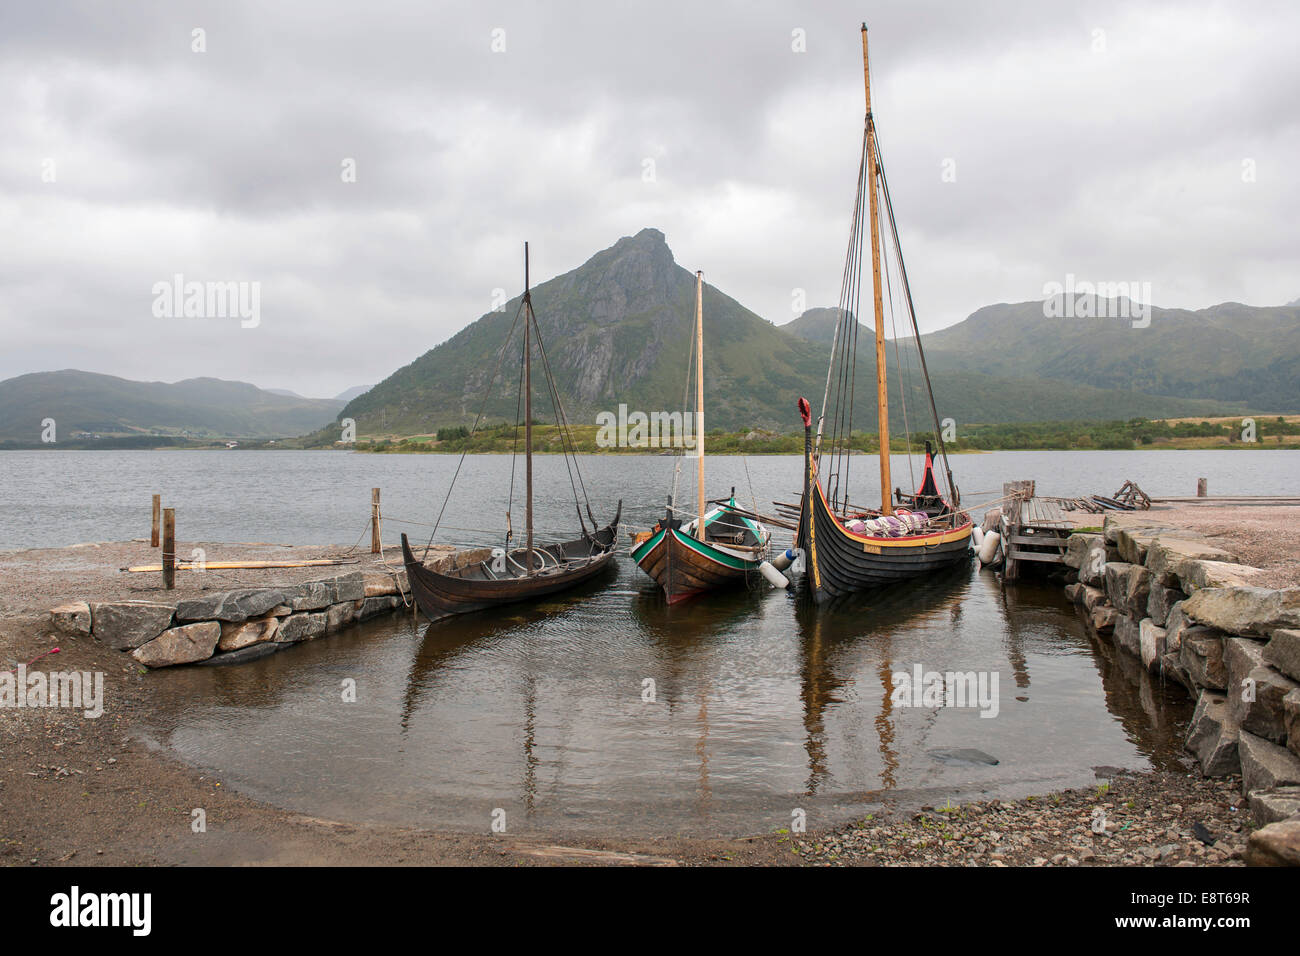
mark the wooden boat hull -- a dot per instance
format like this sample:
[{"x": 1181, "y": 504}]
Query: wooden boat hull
[
  {"x": 440, "y": 594},
  {"x": 684, "y": 566},
  {"x": 839, "y": 562}
]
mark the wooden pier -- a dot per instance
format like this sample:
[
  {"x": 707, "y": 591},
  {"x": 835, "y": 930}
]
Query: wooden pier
[{"x": 1036, "y": 529}]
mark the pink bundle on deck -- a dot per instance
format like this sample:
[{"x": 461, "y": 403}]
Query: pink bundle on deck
[{"x": 901, "y": 522}]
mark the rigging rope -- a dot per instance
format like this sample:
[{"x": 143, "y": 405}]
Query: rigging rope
[{"x": 482, "y": 409}]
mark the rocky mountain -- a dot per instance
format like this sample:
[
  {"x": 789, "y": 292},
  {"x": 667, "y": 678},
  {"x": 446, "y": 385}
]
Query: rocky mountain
[
  {"x": 87, "y": 402},
  {"x": 618, "y": 330}
]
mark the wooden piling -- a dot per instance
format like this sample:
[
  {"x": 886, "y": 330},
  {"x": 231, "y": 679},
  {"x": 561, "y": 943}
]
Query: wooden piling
[
  {"x": 169, "y": 548},
  {"x": 1202, "y": 488},
  {"x": 374, "y": 520},
  {"x": 157, "y": 516}
]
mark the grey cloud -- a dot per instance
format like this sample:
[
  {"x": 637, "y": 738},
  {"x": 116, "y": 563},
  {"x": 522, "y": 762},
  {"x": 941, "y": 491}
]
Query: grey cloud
[{"x": 226, "y": 165}]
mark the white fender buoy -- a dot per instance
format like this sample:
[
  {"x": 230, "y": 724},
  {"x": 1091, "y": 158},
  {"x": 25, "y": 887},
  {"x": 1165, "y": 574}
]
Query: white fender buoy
[
  {"x": 774, "y": 577},
  {"x": 989, "y": 548},
  {"x": 977, "y": 537},
  {"x": 785, "y": 559}
]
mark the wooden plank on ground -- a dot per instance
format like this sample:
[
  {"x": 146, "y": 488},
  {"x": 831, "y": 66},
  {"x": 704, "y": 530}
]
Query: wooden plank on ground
[{"x": 577, "y": 854}]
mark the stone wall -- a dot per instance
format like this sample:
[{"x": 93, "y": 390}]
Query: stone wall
[
  {"x": 1188, "y": 610},
  {"x": 231, "y": 627}
]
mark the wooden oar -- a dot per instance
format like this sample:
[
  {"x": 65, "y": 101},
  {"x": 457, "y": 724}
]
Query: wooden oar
[{"x": 236, "y": 565}]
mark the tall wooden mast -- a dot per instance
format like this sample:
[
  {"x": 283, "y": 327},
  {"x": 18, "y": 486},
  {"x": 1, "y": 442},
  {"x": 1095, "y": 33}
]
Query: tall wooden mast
[
  {"x": 528, "y": 412},
  {"x": 699, "y": 398},
  {"x": 882, "y": 393}
]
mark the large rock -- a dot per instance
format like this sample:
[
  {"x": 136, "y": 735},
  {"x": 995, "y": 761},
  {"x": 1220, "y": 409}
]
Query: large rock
[
  {"x": 1291, "y": 718},
  {"x": 384, "y": 583},
  {"x": 1171, "y": 668},
  {"x": 1175, "y": 624},
  {"x": 1272, "y": 806},
  {"x": 233, "y": 606},
  {"x": 1265, "y": 765},
  {"x": 246, "y": 633},
  {"x": 1092, "y": 571},
  {"x": 1277, "y": 844},
  {"x": 72, "y": 618},
  {"x": 1162, "y": 601},
  {"x": 1255, "y": 691},
  {"x": 300, "y": 627},
  {"x": 1103, "y": 618},
  {"x": 1170, "y": 555},
  {"x": 1091, "y": 598},
  {"x": 1283, "y": 652},
  {"x": 1151, "y": 643},
  {"x": 1201, "y": 653},
  {"x": 1129, "y": 587},
  {"x": 180, "y": 645},
  {"x": 1076, "y": 548},
  {"x": 1133, "y": 543},
  {"x": 126, "y": 625},
  {"x": 318, "y": 595},
  {"x": 1212, "y": 736},
  {"x": 1118, "y": 521},
  {"x": 378, "y": 605},
  {"x": 1127, "y": 635},
  {"x": 339, "y": 616},
  {"x": 1245, "y": 610},
  {"x": 1217, "y": 574},
  {"x": 243, "y": 655}
]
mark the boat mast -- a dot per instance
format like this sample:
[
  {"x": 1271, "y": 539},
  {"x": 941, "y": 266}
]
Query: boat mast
[
  {"x": 528, "y": 412},
  {"x": 699, "y": 398},
  {"x": 882, "y": 394}
]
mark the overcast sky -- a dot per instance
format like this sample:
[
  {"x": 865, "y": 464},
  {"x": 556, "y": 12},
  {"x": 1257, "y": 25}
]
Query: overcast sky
[{"x": 1126, "y": 141}]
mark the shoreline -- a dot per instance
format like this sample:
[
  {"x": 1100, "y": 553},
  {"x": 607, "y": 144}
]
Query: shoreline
[{"x": 93, "y": 792}]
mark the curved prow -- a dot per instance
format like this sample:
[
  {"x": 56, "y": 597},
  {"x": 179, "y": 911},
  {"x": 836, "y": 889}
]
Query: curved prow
[{"x": 806, "y": 535}]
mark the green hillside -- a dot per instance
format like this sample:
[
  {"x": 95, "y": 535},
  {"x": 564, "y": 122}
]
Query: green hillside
[
  {"x": 618, "y": 328},
  {"x": 87, "y": 402}
]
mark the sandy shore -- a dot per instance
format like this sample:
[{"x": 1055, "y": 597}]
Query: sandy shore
[{"x": 81, "y": 791}]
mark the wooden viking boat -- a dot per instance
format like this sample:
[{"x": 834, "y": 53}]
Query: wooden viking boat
[
  {"x": 844, "y": 549},
  {"x": 476, "y": 580},
  {"x": 728, "y": 547}
]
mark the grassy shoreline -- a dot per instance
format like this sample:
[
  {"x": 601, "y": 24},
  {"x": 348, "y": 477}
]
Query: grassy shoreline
[{"x": 1220, "y": 434}]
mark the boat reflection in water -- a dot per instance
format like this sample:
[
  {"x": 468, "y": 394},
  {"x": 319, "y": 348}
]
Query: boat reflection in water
[{"x": 604, "y": 710}]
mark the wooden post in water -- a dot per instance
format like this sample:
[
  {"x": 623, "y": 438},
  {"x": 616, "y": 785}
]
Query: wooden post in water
[
  {"x": 1202, "y": 487},
  {"x": 157, "y": 517},
  {"x": 882, "y": 391},
  {"x": 169, "y": 548},
  {"x": 374, "y": 521}
]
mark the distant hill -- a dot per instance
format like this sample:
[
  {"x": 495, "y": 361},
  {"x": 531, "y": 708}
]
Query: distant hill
[
  {"x": 618, "y": 330},
  {"x": 1242, "y": 355},
  {"x": 350, "y": 393},
  {"x": 108, "y": 406}
]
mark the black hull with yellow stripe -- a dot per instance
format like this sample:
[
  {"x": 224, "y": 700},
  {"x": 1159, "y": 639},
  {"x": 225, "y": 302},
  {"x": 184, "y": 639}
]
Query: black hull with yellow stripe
[{"x": 839, "y": 562}]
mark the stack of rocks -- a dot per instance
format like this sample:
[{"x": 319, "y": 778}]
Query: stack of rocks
[
  {"x": 1190, "y": 612},
  {"x": 230, "y": 627}
]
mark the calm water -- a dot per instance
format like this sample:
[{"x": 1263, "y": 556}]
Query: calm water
[
  {"x": 762, "y": 702},
  {"x": 55, "y": 498}
]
